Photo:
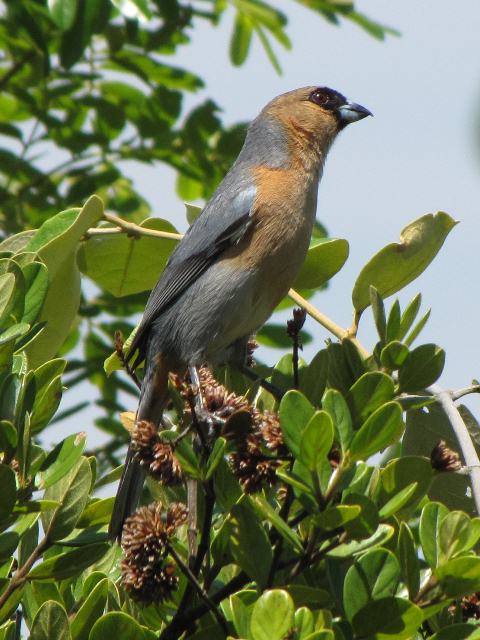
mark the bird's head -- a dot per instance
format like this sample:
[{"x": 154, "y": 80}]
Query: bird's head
[{"x": 314, "y": 114}]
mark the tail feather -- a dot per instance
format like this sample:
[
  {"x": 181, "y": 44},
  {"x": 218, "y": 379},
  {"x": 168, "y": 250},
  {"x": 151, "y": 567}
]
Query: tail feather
[
  {"x": 128, "y": 495},
  {"x": 153, "y": 396}
]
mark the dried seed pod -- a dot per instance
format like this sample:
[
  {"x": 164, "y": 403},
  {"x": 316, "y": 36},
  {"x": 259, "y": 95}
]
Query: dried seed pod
[
  {"x": 147, "y": 574},
  {"x": 443, "y": 458}
]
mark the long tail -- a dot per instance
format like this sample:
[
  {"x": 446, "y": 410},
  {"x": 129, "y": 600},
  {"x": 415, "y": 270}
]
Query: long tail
[{"x": 153, "y": 396}]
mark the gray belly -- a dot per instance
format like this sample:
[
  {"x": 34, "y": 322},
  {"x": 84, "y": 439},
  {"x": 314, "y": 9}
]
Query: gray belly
[{"x": 211, "y": 315}]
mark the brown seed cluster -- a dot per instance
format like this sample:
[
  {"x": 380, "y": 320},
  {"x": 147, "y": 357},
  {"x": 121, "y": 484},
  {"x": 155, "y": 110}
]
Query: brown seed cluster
[
  {"x": 256, "y": 436},
  {"x": 443, "y": 458},
  {"x": 258, "y": 455},
  {"x": 148, "y": 574},
  {"x": 469, "y": 607},
  {"x": 218, "y": 401},
  {"x": 154, "y": 455}
]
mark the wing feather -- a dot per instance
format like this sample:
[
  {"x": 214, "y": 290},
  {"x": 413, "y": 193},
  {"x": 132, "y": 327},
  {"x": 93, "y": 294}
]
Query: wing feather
[{"x": 179, "y": 275}]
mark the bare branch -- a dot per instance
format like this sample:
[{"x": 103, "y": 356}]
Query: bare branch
[{"x": 445, "y": 400}]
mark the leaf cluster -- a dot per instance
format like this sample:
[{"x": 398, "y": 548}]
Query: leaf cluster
[{"x": 336, "y": 544}]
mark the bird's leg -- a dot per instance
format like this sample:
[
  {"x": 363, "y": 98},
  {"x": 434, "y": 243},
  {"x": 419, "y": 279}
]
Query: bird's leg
[{"x": 276, "y": 392}]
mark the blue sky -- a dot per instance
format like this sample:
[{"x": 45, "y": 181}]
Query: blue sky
[{"x": 419, "y": 154}]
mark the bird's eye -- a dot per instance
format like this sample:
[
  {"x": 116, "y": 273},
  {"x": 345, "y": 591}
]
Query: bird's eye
[{"x": 319, "y": 97}]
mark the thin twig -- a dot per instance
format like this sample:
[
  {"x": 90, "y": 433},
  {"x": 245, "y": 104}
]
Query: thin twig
[
  {"x": 326, "y": 322},
  {"x": 133, "y": 229},
  {"x": 294, "y": 326},
  {"x": 445, "y": 400},
  {"x": 198, "y": 587},
  {"x": 123, "y": 359},
  {"x": 473, "y": 388},
  {"x": 21, "y": 574}
]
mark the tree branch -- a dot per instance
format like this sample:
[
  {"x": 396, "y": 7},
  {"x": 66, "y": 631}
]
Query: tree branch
[
  {"x": 20, "y": 575},
  {"x": 445, "y": 400},
  {"x": 198, "y": 587}
]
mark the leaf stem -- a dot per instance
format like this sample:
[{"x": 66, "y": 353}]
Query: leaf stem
[{"x": 130, "y": 228}]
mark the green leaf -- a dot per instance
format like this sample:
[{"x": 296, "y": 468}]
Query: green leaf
[
  {"x": 9, "y": 491},
  {"x": 455, "y": 536},
  {"x": 324, "y": 259},
  {"x": 56, "y": 243},
  {"x": 8, "y": 631},
  {"x": 304, "y": 622},
  {"x": 124, "y": 265},
  {"x": 370, "y": 392},
  {"x": 116, "y": 624},
  {"x": 421, "y": 368},
  {"x": 12, "y": 292},
  {"x": 36, "y": 284},
  {"x": 393, "y": 322},
  {"x": 417, "y": 329},
  {"x": 398, "y": 501},
  {"x": 408, "y": 316},
  {"x": 348, "y": 549},
  {"x": 192, "y": 212},
  {"x": 375, "y": 575},
  {"x": 459, "y": 576},
  {"x": 215, "y": 457},
  {"x": 336, "y": 406},
  {"x": 268, "y": 512},
  {"x": 241, "y": 615},
  {"x": 396, "y": 480},
  {"x": 314, "y": 378},
  {"x": 393, "y": 355},
  {"x": 90, "y": 611},
  {"x": 8, "y": 543},
  {"x": 398, "y": 264},
  {"x": 14, "y": 332},
  {"x": 69, "y": 563},
  {"x": 381, "y": 429},
  {"x": 295, "y": 412},
  {"x": 72, "y": 492},
  {"x": 409, "y": 564},
  {"x": 241, "y": 39},
  {"x": 63, "y": 12},
  {"x": 432, "y": 515},
  {"x": 48, "y": 392},
  {"x": 378, "y": 310},
  {"x": 366, "y": 523},
  {"x": 249, "y": 543},
  {"x": 386, "y": 618},
  {"x": 456, "y": 632},
  {"x": 50, "y": 621},
  {"x": 272, "y": 616},
  {"x": 337, "y": 516},
  {"x": 317, "y": 440},
  {"x": 61, "y": 460},
  {"x": 98, "y": 512},
  {"x": 454, "y": 491}
]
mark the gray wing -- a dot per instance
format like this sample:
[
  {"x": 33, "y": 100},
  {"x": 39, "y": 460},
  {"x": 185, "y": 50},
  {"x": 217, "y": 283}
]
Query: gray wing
[{"x": 219, "y": 226}]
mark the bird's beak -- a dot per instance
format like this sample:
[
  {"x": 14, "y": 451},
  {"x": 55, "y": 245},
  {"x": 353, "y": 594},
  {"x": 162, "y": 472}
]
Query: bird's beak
[{"x": 351, "y": 112}]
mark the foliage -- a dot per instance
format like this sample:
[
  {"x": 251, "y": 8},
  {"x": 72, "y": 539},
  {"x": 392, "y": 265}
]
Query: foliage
[
  {"x": 303, "y": 532},
  {"x": 88, "y": 88},
  {"x": 90, "y": 84}
]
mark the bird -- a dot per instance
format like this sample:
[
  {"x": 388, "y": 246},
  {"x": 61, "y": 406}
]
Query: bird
[{"x": 239, "y": 257}]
